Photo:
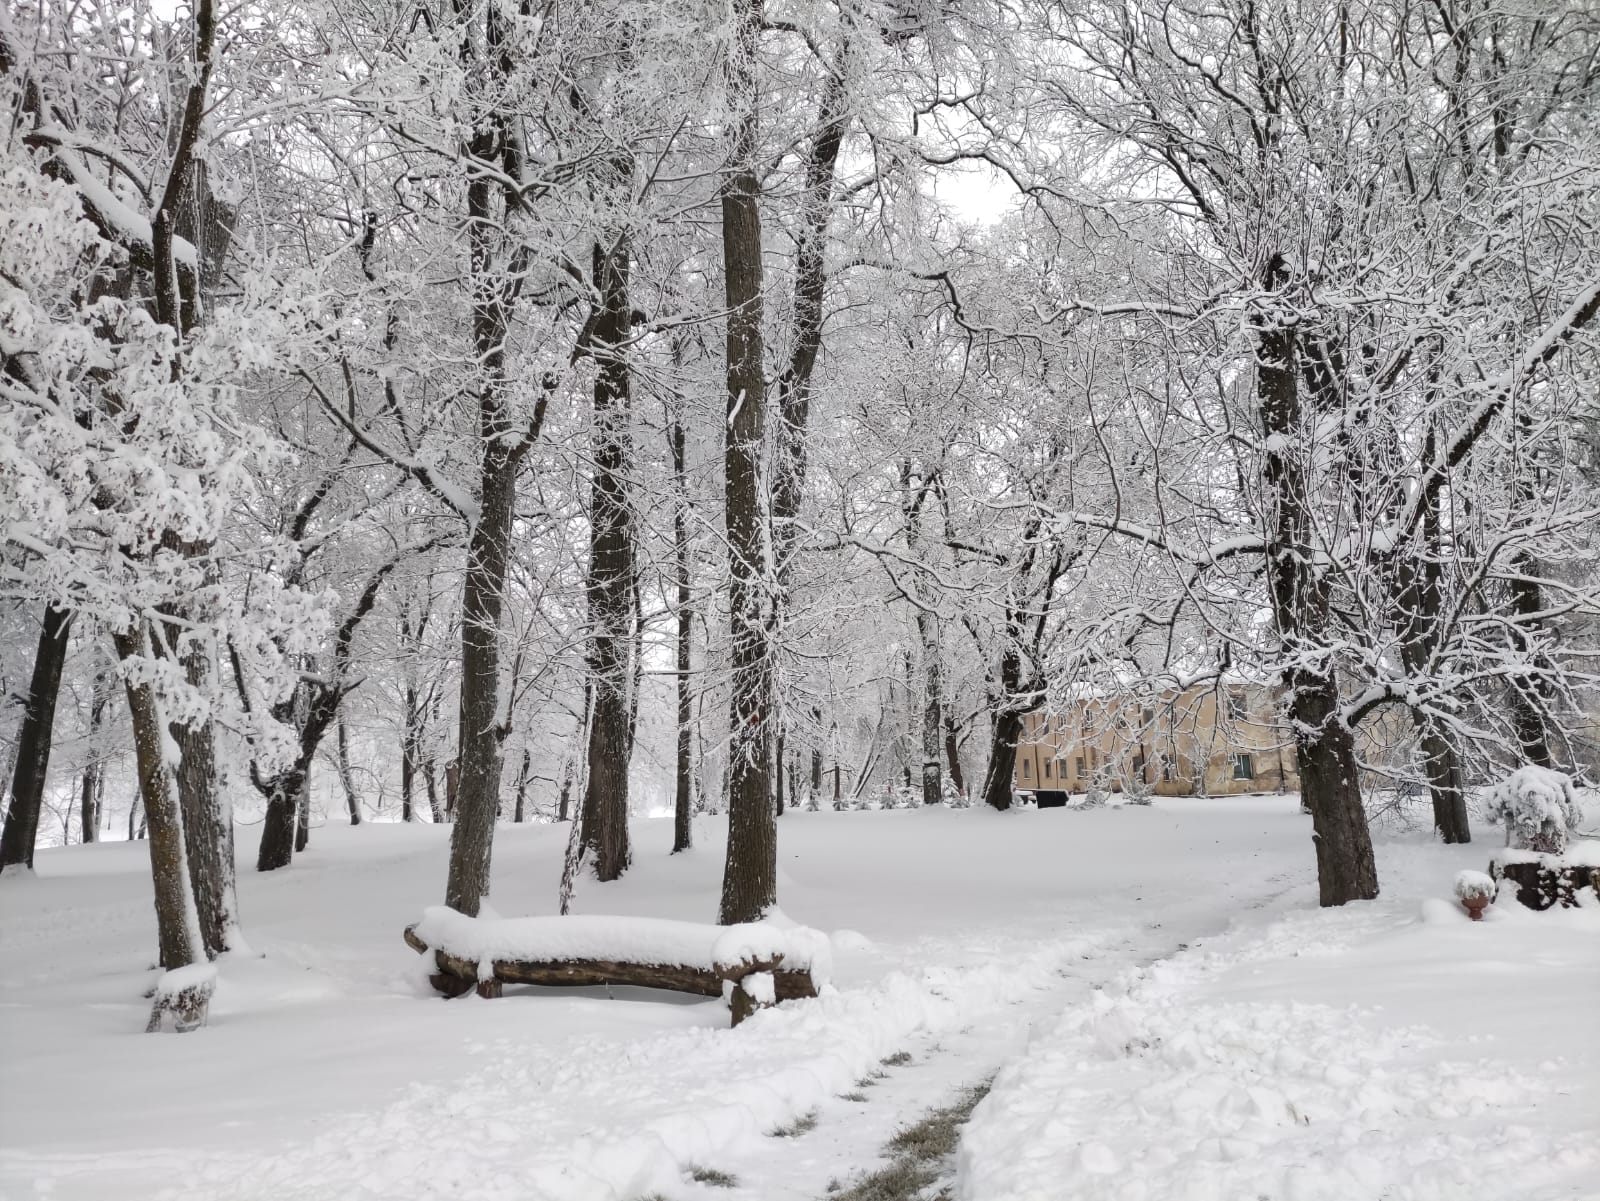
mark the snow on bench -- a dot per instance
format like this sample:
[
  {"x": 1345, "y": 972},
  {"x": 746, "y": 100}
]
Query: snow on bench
[{"x": 754, "y": 964}]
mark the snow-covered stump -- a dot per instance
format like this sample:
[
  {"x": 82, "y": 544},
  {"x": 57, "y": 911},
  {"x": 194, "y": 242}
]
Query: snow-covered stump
[
  {"x": 1540, "y": 807},
  {"x": 780, "y": 962},
  {"x": 1547, "y": 881},
  {"x": 185, "y": 993}
]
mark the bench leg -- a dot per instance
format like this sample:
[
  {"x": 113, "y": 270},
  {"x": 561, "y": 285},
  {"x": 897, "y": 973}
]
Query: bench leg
[{"x": 488, "y": 988}]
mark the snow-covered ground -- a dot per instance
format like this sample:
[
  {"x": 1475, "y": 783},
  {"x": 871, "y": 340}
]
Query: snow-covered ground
[
  {"x": 966, "y": 940},
  {"x": 1393, "y": 1050}
]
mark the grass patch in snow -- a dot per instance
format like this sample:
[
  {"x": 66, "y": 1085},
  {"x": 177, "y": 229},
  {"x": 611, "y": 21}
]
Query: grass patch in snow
[
  {"x": 804, "y": 1124},
  {"x": 713, "y": 1177},
  {"x": 854, "y": 1095},
  {"x": 870, "y": 1079},
  {"x": 921, "y": 1153},
  {"x": 898, "y": 1060}
]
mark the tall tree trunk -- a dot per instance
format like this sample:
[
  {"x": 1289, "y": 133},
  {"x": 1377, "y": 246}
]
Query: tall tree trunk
[
  {"x": 1002, "y": 760},
  {"x": 302, "y": 817},
  {"x": 1528, "y": 694},
  {"x": 91, "y": 795},
  {"x": 1445, "y": 789},
  {"x": 1324, "y": 745},
  {"x": 932, "y": 705},
  {"x": 611, "y": 561},
  {"x": 408, "y": 763},
  {"x": 952, "y": 752},
  {"x": 683, "y": 796},
  {"x": 346, "y": 777},
  {"x": 177, "y": 922},
  {"x": 278, "y": 827},
  {"x": 33, "y": 740},
  {"x": 777, "y": 764},
  {"x": 496, "y": 276},
  {"x": 207, "y": 818},
  {"x": 430, "y": 780},
  {"x": 1419, "y": 593},
  {"x": 520, "y": 813},
  {"x": 478, "y": 761},
  {"x": 749, "y": 877},
  {"x": 569, "y": 764}
]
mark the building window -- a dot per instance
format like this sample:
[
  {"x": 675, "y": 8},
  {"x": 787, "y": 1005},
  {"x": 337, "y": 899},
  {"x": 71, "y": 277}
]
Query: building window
[
  {"x": 1047, "y": 769},
  {"x": 1080, "y": 767},
  {"x": 1027, "y": 769},
  {"x": 1238, "y": 706},
  {"x": 1244, "y": 767}
]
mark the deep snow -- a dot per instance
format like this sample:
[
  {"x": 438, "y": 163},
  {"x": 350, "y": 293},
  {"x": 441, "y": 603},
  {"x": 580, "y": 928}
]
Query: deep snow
[{"x": 330, "y": 1070}]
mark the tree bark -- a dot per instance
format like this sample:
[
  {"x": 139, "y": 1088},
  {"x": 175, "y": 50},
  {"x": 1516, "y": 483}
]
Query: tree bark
[
  {"x": 346, "y": 777},
  {"x": 91, "y": 796},
  {"x": 1324, "y": 745},
  {"x": 495, "y": 276},
  {"x": 777, "y": 765},
  {"x": 611, "y": 560},
  {"x": 749, "y": 878},
  {"x": 519, "y": 814},
  {"x": 1419, "y": 595},
  {"x": 683, "y": 795},
  {"x": 952, "y": 752},
  {"x": 302, "y": 819},
  {"x": 177, "y": 922},
  {"x": 33, "y": 740},
  {"x": 278, "y": 827}
]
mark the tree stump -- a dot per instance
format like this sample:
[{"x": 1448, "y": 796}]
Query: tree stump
[
  {"x": 1542, "y": 887},
  {"x": 185, "y": 993}
]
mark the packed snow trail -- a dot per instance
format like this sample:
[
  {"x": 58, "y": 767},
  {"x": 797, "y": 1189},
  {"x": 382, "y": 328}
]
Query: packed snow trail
[
  {"x": 330, "y": 1071},
  {"x": 1391, "y": 1051}
]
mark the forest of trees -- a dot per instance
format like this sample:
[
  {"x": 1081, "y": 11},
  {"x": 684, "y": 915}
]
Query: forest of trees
[{"x": 502, "y": 410}]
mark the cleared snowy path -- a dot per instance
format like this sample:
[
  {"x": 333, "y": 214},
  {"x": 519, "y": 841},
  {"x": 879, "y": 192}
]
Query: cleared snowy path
[{"x": 330, "y": 1072}]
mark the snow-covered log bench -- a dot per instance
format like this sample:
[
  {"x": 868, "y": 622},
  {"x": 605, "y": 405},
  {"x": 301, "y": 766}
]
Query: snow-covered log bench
[{"x": 754, "y": 965}]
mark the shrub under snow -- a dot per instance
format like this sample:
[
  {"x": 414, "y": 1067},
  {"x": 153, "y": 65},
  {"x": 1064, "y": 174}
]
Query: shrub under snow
[{"x": 1538, "y": 806}]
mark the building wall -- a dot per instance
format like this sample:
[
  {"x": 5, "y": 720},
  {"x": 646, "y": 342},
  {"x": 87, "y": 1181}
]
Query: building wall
[{"x": 1214, "y": 741}]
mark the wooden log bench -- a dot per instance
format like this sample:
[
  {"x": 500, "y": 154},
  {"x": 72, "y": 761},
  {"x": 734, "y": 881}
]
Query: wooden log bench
[{"x": 754, "y": 966}]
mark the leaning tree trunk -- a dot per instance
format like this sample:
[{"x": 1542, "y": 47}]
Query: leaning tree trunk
[
  {"x": 749, "y": 877},
  {"x": 33, "y": 742},
  {"x": 177, "y": 923},
  {"x": 611, "y": 564},
  {"x": 1324, "y": 744}
]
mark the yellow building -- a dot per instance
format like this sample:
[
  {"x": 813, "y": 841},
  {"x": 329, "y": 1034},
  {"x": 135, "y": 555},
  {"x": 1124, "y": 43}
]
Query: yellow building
[{"x": 1212, "y": 740}]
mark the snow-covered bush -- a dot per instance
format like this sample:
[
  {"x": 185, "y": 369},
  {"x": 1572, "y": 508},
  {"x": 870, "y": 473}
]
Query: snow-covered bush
[
  {"x": 1096, "y": 795},
  {"x": 1538, "y": 806}
]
